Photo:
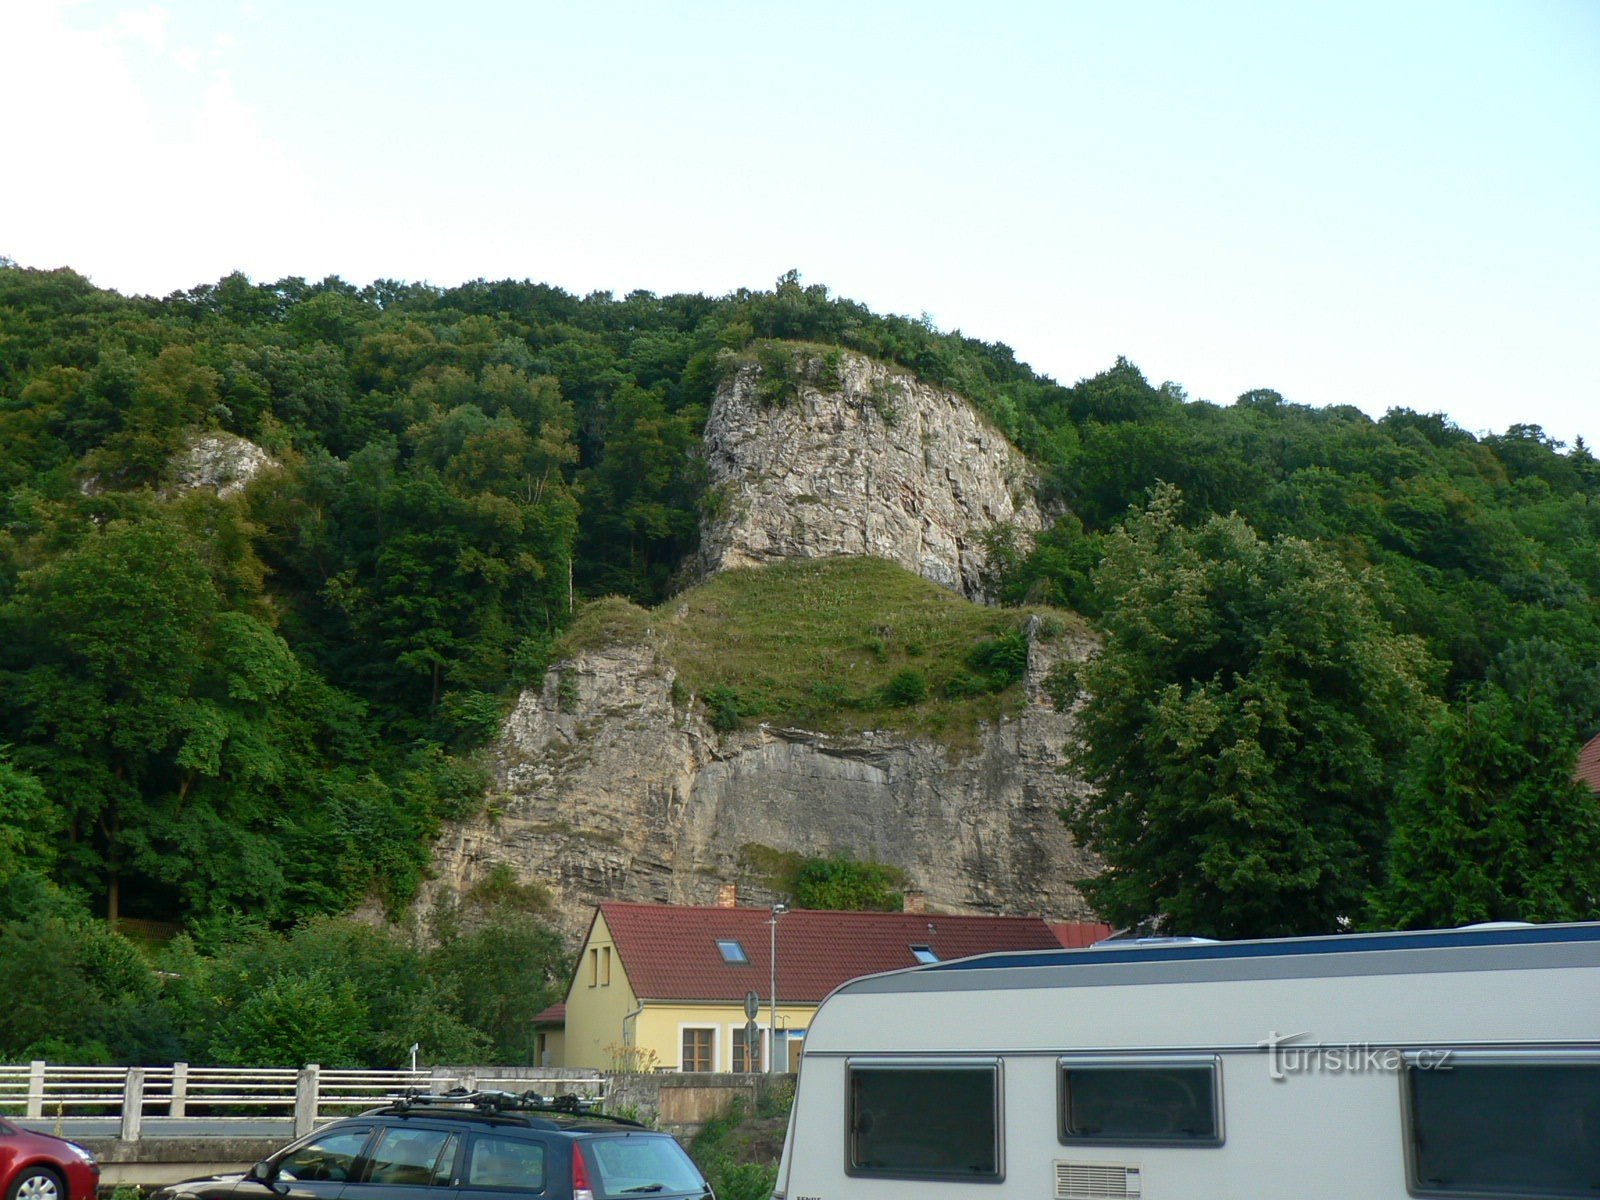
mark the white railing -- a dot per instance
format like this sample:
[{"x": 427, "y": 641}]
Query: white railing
[{"x": 307, "y": 1095}]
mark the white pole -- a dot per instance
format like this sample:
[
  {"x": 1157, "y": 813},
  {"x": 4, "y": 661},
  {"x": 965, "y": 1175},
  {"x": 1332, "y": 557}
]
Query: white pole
[{"x": 778, "y": 909}]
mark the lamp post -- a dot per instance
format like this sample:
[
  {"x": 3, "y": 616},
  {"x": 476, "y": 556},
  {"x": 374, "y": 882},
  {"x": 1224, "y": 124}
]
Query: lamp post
[{"x": 778, "y": 909}]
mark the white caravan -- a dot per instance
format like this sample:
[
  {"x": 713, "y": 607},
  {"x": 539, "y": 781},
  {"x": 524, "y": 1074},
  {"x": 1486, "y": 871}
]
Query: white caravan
[{"x": 1463, "y": 1063}]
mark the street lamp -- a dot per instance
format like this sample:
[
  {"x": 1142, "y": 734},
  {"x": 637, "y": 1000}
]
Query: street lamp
[{"x": 778, "y": 909}]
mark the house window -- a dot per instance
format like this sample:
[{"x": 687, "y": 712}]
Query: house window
[
  {"x": 924, "y": 954},
  {"x": 594, "y": 966},
  {"x": 605, "y": 966},
  {"x": 1141, "y": 1101},
  {"x": 732, "y": 952},
  {"x": 1517, "y": 1125},
  {"x": 741, "y": 1060},
  {"x": 934, "y": 1120},
  {"x": 699, "y": 1045}
]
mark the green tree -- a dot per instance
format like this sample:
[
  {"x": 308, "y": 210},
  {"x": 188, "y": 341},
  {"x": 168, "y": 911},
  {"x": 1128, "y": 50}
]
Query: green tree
[
  {"x": 502, "y": 972},
  {"x": 77, "y": 991},
  {"x": 1243, "y": 729},
  {"x": 106, "y": 644},
  {"x": 1490, "y": 824},
  {"x": 295, "y": 1019},
  {"x": 28, "y": 826}
]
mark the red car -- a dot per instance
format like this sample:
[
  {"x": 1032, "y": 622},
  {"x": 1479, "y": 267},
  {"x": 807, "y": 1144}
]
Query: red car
[{"x": 37, "y": 1166}]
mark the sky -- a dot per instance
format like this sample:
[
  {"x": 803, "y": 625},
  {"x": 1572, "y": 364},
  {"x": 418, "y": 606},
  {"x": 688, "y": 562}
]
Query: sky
[{"x": 1392, "y": 204}]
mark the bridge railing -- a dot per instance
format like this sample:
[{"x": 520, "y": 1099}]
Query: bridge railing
[{"x": 306, "y": 1095}]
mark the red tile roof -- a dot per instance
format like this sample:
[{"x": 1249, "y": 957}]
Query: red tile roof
[
  {"x": 1076, "y": 935},
  {"x": 670, "y": 952},
  {"x": 1588, "y": 771},
  {"x": 556, "y": 1014}
]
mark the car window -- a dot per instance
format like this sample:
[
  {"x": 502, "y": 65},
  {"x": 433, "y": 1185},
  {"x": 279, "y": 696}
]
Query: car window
[
  {"x": 640, "y": 1165},
  {"x": 411, "y": 1156},
  {"x": 329, "y": 1157},
  {"x": 503, "y": 1162}
]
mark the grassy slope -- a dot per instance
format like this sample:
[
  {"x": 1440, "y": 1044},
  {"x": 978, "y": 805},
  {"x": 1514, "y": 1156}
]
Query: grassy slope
[{"x": 814, "y": 643}]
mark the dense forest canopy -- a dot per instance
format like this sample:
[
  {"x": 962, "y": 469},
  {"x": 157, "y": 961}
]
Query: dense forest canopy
[{"x": 269, "y": 702}]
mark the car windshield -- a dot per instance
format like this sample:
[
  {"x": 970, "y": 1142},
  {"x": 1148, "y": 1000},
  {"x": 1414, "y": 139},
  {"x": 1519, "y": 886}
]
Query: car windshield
[{"x": 642, "y": 1166}]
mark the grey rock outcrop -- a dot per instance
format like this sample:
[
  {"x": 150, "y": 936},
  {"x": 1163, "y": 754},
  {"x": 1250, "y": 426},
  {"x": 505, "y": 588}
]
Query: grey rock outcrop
[
  {"x": 606, "y": 788},
  {"x": 222, "y": 462},
  {"x": 872, "y": 462}
]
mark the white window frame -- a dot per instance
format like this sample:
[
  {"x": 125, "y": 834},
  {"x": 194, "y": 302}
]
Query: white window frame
[
  {"x": 716, "y": 1043},
  {"x": 736, "y": 1035}
]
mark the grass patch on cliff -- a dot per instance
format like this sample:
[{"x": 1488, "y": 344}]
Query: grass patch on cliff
[
  {"x": 608, "y": 621},
  {"x": 836, "y": 645}
]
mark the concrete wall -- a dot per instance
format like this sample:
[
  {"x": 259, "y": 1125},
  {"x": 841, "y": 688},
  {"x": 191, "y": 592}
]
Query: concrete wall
[{"x": 681, "y": 1103}]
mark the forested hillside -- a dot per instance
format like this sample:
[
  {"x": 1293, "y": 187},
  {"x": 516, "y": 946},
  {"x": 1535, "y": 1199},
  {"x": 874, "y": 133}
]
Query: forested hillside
[{"x": 268, "y": 703}]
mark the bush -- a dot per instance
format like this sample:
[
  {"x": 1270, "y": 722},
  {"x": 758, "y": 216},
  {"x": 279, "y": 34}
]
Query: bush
[
  {"x": 1003, "y": 659},
  {"x": 715, "y": 1149},
  {"x": 962, "y": 684},
  {"x": 297, "y": 1019},
  {"x": 844, "y": 884},
  {"x": 906, "y": 688},
  {"x": 725, "y": 708}
]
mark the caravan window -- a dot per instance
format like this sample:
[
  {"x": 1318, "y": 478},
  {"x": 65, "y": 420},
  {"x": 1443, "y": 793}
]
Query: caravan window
[
  {"x": 1155, "y": 1101},
  {"x": 925, "y": 1120},
  {"x": 1508, "y": 1125}
]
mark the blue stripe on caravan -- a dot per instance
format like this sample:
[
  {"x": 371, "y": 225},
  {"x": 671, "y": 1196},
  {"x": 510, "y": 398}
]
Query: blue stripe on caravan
[{"x": 1335, "y": 944}]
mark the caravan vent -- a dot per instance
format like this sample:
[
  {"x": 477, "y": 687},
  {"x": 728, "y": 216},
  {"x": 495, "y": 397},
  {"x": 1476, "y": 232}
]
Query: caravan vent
[{"x": 1097, "y": 1181}]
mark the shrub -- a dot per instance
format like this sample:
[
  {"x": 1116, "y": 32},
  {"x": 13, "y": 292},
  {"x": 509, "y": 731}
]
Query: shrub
[
  {"x": 962, "y": 684},
  {"x": 1004, "y": 659},
  {"x": 844, "y": 884},
  {"x": 906, "y": 688},
  {"x": 725, "y": 708}
]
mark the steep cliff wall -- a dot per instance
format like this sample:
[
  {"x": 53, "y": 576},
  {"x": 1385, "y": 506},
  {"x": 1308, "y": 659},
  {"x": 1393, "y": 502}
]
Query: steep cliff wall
[
  {"x": 853, "y": 457},
  {"x": 610, "y": 785}
]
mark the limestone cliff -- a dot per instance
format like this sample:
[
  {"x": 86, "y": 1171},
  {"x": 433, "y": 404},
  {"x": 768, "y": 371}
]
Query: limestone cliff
[
  {"x": 609, "y": 783},
  {"x": 607, "y": 787},
  {"x": 853, "y": 457}
]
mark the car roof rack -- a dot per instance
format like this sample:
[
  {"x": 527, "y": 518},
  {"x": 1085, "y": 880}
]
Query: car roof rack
[{"x": 488, "y": 1101}]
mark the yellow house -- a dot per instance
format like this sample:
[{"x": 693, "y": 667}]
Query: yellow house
[{"x": 665, "y": 987}]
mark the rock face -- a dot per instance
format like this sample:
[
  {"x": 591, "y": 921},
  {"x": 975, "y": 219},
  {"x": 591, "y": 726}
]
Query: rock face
[
  {"x": 865, "y": 462},
  {"x": 221, "y": 462},
  {"x": 609, "y": 783},
  {"x": 605, "y": 788}
]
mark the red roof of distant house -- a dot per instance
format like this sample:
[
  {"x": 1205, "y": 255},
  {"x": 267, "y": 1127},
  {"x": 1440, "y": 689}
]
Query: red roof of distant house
[
  {"x": 1588, "y": 771},
  {"x": 671, "y": 953},
  {"x": 1076, "y": 935},
  {"x": 556, "y": 1014}
]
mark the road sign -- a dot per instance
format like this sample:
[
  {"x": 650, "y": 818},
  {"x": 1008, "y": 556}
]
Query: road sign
[{"x": 752, "y": 1004}]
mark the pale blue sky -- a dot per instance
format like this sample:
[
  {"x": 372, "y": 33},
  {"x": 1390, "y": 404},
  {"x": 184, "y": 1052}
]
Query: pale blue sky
[{"x": 1375, "y": 204}]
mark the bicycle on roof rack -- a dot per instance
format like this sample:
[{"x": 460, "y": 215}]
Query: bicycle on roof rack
[{"x": 487, "y": 1101}]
